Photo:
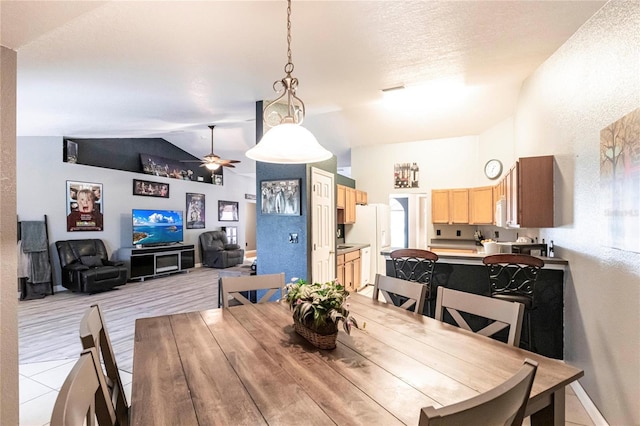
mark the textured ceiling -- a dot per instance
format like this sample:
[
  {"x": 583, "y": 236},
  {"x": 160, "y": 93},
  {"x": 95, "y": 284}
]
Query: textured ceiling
[{"x": 170, "y": 68}]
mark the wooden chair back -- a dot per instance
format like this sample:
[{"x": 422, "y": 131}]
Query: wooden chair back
[
  {"x": 503, "y": 313},
  {"x": 93, "y": 334},
  {"x": 414, "y": 292},
  {"x": 503, "y": 405},
  {"x": 233, "y": 286},
  {"x": 84, "y": 396}
]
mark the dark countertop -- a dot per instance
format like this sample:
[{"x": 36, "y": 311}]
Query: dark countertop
[
  {"x": 349, "y": 247},
  {"x": 465, "y": 258}
]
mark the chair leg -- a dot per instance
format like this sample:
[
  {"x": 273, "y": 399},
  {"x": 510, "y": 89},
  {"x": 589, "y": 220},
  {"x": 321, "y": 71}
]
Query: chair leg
[{"x": 529, "y": 342}]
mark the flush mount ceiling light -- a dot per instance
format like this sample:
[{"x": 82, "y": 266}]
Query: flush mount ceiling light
[{"x": 288, "y": 142}]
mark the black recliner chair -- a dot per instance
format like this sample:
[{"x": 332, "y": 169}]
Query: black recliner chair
[
  {"x": 86, "y": 267},
  {"x": 216, "y": 252}
]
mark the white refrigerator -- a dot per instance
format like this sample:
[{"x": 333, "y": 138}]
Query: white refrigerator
[{"x": 372, "y": 227}]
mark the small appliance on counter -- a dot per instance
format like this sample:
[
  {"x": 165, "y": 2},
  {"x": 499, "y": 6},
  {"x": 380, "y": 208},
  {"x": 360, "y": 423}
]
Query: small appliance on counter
[{"x": 533, "y": 249}]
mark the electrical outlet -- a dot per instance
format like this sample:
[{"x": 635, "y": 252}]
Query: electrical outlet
[
  {"x": 293, "y": 238},
  {"x": 496, "y": 234},
  {"x": 458, "y": 233},
  {"x": 438, "y": 233}
]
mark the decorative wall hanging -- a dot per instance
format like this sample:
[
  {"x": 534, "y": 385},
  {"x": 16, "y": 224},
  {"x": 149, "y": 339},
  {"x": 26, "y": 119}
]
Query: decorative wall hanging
[
  {"x": 405, "y": 175},
  {"x": 227, "y": 211},
  {"x": 195, "y": 211},
  {"x": 70, "y": 152},
  {"x": 165, "y": 167},
  {"x": 84, "y": 206},
  {"x": 620, "y": 182},
  {"x": 150, "y": 189},
  {"x": 280, "y": 197},
  {"x": 217, "y": 176}
]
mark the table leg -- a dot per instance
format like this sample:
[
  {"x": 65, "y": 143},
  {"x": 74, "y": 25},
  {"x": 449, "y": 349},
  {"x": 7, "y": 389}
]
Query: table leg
[{"x": 552, "y": 414}]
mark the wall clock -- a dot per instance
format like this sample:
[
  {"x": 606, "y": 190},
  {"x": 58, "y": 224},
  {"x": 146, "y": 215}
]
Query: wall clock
[{"x": 493, "y": 169}]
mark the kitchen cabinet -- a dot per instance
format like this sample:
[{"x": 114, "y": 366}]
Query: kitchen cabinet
[
  {"x": 450, "y": 206},
  {"x": 528, "y": 190},
  {"x": 361, "y": 197},
  {"x": 341, "y": 197},
  {"x": 346, "y": 211},
  {"x": 481, "y": 205},
  {"x": 340, "y": 269},
  {"x": 352, "y": 270}
]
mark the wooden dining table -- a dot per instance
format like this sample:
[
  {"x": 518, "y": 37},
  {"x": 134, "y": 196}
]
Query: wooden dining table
[{"x": 245, "y": 365}]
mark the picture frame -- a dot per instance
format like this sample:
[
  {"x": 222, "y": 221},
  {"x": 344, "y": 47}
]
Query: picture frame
[
  {"x": 280, "y": 197},
  {"x": 147, "y": 188},
  {"x": 70, "y": 151},
  {"x": 195, "y": 210},
  {"x": 85, "y": 206},
  {"x": 228, "y": 211}
]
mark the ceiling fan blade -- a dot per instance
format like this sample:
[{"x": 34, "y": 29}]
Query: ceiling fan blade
[
  {"x": 191, "y": 161},
  {"x": 229, "y": 165}
]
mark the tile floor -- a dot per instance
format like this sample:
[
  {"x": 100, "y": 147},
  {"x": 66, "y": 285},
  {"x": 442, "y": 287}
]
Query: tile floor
[
  {"x": 40, "y": 383},
  {"x": 39, "y": 386}
]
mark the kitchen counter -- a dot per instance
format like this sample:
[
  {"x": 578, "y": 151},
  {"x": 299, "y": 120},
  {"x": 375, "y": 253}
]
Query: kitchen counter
[
  {"x": 349, "y": 247},
  {"x": 466, "y": 258}
]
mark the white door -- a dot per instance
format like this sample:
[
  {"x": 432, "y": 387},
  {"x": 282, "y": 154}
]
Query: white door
[{"x": 323, "y": 216}]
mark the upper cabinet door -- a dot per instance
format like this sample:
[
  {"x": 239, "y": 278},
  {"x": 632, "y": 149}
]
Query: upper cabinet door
[{"x": 481, "y": 205}]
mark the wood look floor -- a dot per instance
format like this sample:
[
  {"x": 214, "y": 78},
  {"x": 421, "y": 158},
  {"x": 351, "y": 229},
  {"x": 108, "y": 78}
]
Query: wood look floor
[{"x": 48, "y": 328}]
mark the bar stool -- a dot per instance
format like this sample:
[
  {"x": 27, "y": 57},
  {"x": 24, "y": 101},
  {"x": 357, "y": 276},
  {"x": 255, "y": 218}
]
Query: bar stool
[
  {"x": 416, "y": 265},
  {"x": 513, "y": 277}
]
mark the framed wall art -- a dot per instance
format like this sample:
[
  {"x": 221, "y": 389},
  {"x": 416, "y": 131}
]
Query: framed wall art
[
  {"x": 227, "y": 211},
  {"x": 280, "y": 197},
  {"x": 150, "y": 189},
  {"x": 195, "y": 211},
  {"x": 84, "y": 206}
]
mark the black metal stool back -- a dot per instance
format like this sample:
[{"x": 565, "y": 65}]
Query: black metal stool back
[
  {"x": 513, "y": 277},
  {"x": 416, "y": 265}
]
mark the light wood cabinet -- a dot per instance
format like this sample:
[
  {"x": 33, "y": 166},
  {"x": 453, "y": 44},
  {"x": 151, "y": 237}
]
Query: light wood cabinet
[
  {"x": 459, "y": 203},
  {"x": 361, "y": 197},
  {"x": 481, "y": 205},
  {"x": 340, "y": 272},
  {"x": 341, "y": 197},
  {"x": 450, "y": 206},
  {"x": 346, "y": 204},
  {"x": 352, "y": 272},
  {"x": 440, "y": 206}
]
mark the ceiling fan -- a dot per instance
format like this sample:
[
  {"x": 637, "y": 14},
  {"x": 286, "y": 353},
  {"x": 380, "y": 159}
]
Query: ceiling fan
[{"x": 212, "y": 161}]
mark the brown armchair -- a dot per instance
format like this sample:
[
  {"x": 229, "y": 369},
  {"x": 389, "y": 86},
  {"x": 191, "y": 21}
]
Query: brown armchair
[{"x": 216, "y": 252}]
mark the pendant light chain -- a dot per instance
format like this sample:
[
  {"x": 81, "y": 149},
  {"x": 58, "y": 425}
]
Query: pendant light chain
[{"x": 288, "y": 68}]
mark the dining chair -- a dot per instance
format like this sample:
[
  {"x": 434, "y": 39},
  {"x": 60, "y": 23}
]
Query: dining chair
[
  {"x": 502, "y": 405},
  {"x": 412, "y": 291},
  {"x": 84, "y": 396},
  {"x": 513, "y": 277},
  {"x": 234, "y": 286},
  {"x": 503, "y": 313},
  {"x": 416, "y": 265},
  {"x": 93, "y": 334}
]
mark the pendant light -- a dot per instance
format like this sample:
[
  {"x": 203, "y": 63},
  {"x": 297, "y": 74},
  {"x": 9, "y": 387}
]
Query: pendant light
[{"x": 288, "y": 142}]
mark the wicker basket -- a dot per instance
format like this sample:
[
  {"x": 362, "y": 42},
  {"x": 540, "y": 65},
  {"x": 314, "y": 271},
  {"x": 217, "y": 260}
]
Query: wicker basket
[{"x": 322, "y": 341}]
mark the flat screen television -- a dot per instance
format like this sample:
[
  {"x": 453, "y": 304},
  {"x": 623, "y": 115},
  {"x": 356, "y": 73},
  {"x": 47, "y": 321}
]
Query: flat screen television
[{"x": 156, "y": 227}]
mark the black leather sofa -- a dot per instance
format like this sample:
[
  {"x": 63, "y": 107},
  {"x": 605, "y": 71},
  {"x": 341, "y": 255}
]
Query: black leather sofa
[
  {"x": 86, "y": 267},
  {"x": 216, "y": 252}
]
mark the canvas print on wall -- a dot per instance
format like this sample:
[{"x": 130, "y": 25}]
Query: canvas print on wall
[
  {"x": 195, "y": 211},
  {"x": 150, "y": 189},
  {"x": 280, "y": 197},
  {"x": 227, "y": 211},
  {"x": 84, "y": 206},
  {"x": 620, "y": 181},
  {"x": 217, "y": 177},
  {"x": 405, "y": 175}
]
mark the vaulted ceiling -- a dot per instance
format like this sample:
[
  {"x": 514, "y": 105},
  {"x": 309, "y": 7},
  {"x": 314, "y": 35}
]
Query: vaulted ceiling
[{"x": 170, "y": 68}]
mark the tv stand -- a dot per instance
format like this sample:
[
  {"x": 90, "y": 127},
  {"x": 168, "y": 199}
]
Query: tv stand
[{"x": 158, "y": 260}]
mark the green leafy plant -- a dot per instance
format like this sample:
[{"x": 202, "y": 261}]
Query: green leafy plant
[{"x": 320, "y": 306}]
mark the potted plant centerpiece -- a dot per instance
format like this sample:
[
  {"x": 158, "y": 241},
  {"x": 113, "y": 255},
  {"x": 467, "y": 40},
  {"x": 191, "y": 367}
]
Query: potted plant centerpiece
[{"x": 317, "y": 309}]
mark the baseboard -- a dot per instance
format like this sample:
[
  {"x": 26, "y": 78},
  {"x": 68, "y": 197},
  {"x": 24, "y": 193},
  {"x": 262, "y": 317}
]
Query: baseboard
[{"x": 589, "y": 406}]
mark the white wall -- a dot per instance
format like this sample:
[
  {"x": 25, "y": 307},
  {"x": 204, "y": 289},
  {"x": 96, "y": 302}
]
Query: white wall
[
  {"x": 590, "y": 82},
  {"x": 41, "y": 189}
]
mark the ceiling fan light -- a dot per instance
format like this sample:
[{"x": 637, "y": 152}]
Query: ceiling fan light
[
  {"x": 212, "y": 166},
  {"x": 288, "y": 143}
]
